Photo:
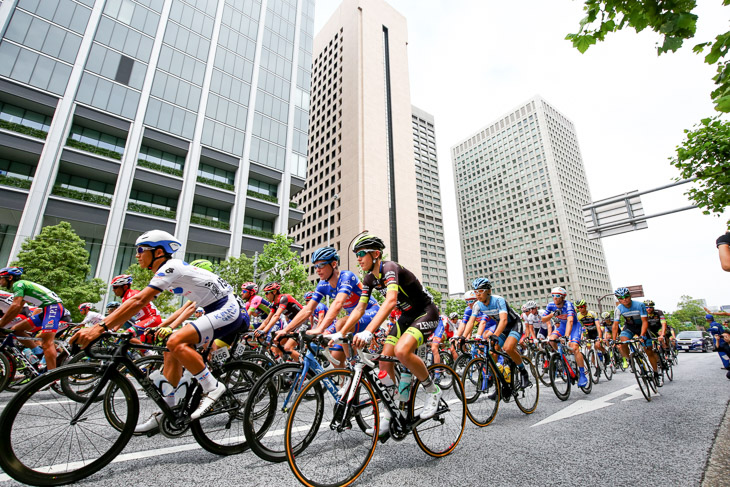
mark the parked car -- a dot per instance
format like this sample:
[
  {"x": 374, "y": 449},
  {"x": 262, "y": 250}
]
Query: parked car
[{"x": 695, "y": 340}]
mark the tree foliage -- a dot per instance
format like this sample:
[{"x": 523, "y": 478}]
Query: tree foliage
[
  {"x": 165, "y": 302},
  {"x": 455, "y": 306},
  {"x": 281, "y": 264},
  {"x": 689, "y": 313},
  {"x": 435, "y": 295},
  {"x": 706, "y": 154},
  {"x": 672, "y": 19},
  {"x": 56, "y": 258},
  {"x": 235, "y": 271}
]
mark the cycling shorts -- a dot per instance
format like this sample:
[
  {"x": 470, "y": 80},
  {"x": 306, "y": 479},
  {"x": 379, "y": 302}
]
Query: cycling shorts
[
  {"x": 592, "y": 334},
  {"x": 575, "y": 332},
  {"x": 503, "y": 337},
  {"x": 48, "y": 320},
  {"x": 362, "y": 323},
  {"x": 221, "y": 318},
  {"x": 491, "y": 328},
  {"x": 541, "y": 332},
  {"x": 631, "y": 334},
  {"x": 419, "y": 326}
]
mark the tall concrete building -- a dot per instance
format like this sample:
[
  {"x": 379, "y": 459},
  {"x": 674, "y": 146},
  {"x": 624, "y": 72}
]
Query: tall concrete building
[
  {"x": 428, "y": 193},
  {"x": 121, "y": 116},
  {"x": 520, "y": 186},
  {"x": 361, "y": 174}
]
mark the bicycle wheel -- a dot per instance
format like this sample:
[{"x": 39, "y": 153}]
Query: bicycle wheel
[
  {"x": 323, "y": 447},
  {"x": 113, "y": 395},
  {"x": 221, "y": 430},
  {"x": 266, "y": 410},
  {"x": 650, "y": 379},
  {"x": 444, "y": 382},
  {"x": 669, "y": 370},
  {"x": 43, "y": 446},
  {"x": 607, "y": 366},
  {"x": 639, "y": 368},
  {"x": 7, "y": 370},
  {"x": 439, "y": 435},
  {"x": 257, "y": 358},
  {"x": 542, "y": 366},
  {"x": 78, "y": 387},
  {"x": 596, "y": 366},
  {"x": 559, "y": 377},
  {"x": 482, "y": 391},
  {"x": 587, "y": 367},
  {"x": 461, "y": 362},
  {"x": 527, "y": 398}
]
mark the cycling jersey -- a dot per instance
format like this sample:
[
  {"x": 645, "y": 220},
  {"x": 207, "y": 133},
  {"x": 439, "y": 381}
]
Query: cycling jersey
[
  {"x": 655, "y": 320},
  {"x": 321, "y": 308},
  {"x": 535, "y": 320},
  {"x": 588, "y": 320},
  {"x": 394, "y": 277},
  {"x": 445, "y": 326},
  {"x": 147, "y": 316},
  {"x": 347, "y": 283},
  {"x": 35, "y": 294},
  {"x": 258, "y": 307},
  {"x": 632, "y": 316},
  {"x": 288, "y": 304},
  {"x": 563, "y": 312},
  {"x": 467, "y": 314},
  {"x": 92, "y": 318},
  {"x": 496, "y": 306}
]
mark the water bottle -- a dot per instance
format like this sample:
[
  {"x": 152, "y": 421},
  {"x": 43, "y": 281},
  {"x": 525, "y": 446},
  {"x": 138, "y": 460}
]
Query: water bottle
[
  {"x": 30, "y": 356},
  {"x": 385, "y": 378},
  {"x": 404, "y": 386},
  {"x": 38, "y": 351}
]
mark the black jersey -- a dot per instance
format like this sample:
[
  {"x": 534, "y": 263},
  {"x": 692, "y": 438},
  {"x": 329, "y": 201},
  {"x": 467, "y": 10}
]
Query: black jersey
[
  {"x": 393, "y": 276},
  {"x": 655, "y": 320}
]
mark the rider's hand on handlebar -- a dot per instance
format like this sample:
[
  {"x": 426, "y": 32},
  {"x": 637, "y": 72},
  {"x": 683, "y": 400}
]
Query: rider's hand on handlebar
[{"x": 84, "y": 337}]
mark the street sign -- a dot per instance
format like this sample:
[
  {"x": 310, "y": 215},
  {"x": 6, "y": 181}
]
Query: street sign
[
  {"x": 637, "y": 291},
  {"x": 615, "y": 215}
]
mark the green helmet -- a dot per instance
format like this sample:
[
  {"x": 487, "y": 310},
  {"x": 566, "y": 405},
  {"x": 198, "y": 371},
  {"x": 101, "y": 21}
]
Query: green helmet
[
  {"x": 580, "y": 302},
  {"x": 203, "y": 264}
]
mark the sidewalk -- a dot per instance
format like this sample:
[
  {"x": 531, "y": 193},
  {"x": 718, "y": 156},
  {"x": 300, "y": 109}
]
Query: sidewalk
[{"x": 717, "y": 470}]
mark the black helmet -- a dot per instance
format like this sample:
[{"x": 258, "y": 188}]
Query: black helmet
[{"x": 368, "y": 242}]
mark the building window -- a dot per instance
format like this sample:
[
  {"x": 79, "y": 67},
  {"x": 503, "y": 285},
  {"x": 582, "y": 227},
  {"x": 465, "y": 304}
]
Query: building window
[{"x": 97, "y": 139}]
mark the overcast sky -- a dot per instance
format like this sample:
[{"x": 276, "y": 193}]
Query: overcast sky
[{"x": 472, "y": 61}]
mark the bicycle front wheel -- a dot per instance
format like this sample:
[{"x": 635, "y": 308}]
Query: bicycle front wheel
[
  {"x": 221, "y": 430},
  {"x": 559, "y": 377},
  {"x": 7, "y": 370},
  {"x": 43, "y": 441},
  {"x": 528, "y": 397},
  {"x": 439, "y": 435},
  {"x": 542, "y": 366},
  {"x": 482, "y": 391},
  {"x": 324, "y": 446},
  {"x": 640, "y": 369}
]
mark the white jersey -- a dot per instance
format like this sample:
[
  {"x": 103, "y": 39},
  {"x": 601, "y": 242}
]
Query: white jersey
[
  {"x": 92, "y": 318},
  {"x": 194, "y": 283},
  {"x": 535, "y": 320}
]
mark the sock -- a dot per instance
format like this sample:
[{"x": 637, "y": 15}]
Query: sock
[
  {"x": 521, "y": 366},
  {"x": 600, "y": 356},
  {"x": 206, "y": 380},
  {"x": 582, "y": 370},
  {"x": 428, "y": 385},
  {"x": 168, "y": 393}
]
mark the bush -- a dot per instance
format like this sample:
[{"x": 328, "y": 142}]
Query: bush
[
  {"x": 293, "y": 205},
  {"x": 215, "y": 183},
  {"x": 151, "y": 210},
  {"x": 262, "y": 196},
  {"x": 159, "y": 167},
  {"x": 209, "y": 222},
  {"x": 22, "y": 129},
  {"x": 80, "y": 195},
  {"x": 15, "y": 182},
  {"x": 93, "y": 149},
  {"x": 258, "y": 233}
]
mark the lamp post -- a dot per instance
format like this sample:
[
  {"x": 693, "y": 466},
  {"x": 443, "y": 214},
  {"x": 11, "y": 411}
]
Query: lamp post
[
  {"x": 349, "y": 245},
  {"x": 329, "y": 220}
]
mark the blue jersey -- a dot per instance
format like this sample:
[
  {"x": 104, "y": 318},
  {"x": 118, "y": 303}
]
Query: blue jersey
[
  {"x": 563, "y": 312},
  {"x": 632, "y": 315},
  {"x": 716, "y": 329},
  {"x": 494, "y": 308},
  {"x": 320, "y": 308},
  {"x": 467, "y": 314},
  {"x": 347, "y": 283}
]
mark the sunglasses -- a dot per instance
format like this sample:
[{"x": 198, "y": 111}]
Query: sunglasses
[
  {"x": 624, "y": 297},
  {"x": 321, "y": 264},
  {"x": 142, "y": 248},
  {"x": 362, "y": 253},
  {"x": 558, "y": 296},
  {"x": 583, "y": 306}
]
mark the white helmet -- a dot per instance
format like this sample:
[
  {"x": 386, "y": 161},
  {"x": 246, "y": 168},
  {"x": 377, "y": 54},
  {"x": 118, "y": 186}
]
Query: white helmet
[
  {"x": 159, "y": 238},
  {"x": 470, "y": 295},
  {"x": 559, "y": 290}
]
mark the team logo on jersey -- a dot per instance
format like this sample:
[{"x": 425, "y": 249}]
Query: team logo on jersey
[
  {"x": 389, "y": 277},
  {"x": 169, "y": 270},
  {"x": 213, "y": 288}
]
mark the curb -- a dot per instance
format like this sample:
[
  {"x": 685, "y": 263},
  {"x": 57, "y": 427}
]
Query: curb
[{"x": 717, "y": 469}]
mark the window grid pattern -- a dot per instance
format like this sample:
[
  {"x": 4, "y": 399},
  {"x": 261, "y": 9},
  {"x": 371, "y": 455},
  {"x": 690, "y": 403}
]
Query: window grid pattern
[
  {"x": 27, "y": 118},
  {"x": 162, "y": 158},
  {"x": 97, "y": 139}
]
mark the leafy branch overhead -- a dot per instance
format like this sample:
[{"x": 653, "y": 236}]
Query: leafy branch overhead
[{"x": 673, "y": 19}]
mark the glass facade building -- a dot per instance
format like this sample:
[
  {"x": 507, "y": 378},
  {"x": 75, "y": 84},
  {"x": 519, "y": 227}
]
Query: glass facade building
[
  {"x": 121, "y": 116},
  {"x": 520, "y": 189}
]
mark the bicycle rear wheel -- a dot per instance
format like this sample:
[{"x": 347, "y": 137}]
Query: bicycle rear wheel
[
  {"x": 527, "y": 398},
  {"x": 596, "y": 366},
  {"x": 542, "y": 366},
  {"x": 607, "y": 366},
  {"x": 559, "y": 377},
  {"x": 7, "y": 370},
  {"x": 323, "y": 445},
  {"x": 41, "y": 443},
  {"x": 221, "y": 430},
  {"x": 640, "y": 368},
  {"x": 113, "y": 396},
  {"x": 439, "y": 435},
  {"x": 482, "y": 391},
  {"x": 669, "y": 370},
  {"x": 587, "y": 367}
]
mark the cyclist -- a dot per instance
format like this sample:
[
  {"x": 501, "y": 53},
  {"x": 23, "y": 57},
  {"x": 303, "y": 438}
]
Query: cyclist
[
  {"x": 286, "y": 306},
  {"x": 223, "y": 315},
  {"x": 470, "y": 299},
  {"x": 147, "y": 317},
  {"x": 6, "y": 301},
  {"x": 52, "y": 311},
  {"x": 534, "y": 325},
  {"x": 636, "y": 323},
  {"x": 446, "y": 326},
  {"x": 111, "y": 306},
  {"x": 418, "y": 320},
  {"x": 657, "y": 321},
  {"x": 255, "y": 305},
  {"x": 91, "y": 317},
  {"x": 591, "y": 326},
  {"x": 570, "y": 328}
]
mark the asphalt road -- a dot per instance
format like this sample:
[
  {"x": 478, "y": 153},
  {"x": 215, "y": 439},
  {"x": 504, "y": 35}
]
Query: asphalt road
[{"x": 612, "y": 435}]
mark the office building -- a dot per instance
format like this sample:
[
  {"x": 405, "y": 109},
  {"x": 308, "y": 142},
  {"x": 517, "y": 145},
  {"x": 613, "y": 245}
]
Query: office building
[
  {"x": 520, "y": 186},
  {"x": 121, "y": 116}
]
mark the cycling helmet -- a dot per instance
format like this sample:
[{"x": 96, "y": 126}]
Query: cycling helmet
[
  {"x": 530, "y": 305},
  {"x": 121, "y": 280},
  {"x": 200, "y": 310},
  {"x": 113, "y": 304},
  {"x": 250, "y": 286},
  {"x": 525, "y": 308},
  {"x": 481, "y": 283},
  {"x": 559, "y": 290},
  {"x": 159, "y": 238},
  {"x": 272, "y": 286},
  {"x": 453, "y": 316},
  {"x": 85, "y": 306},
  {"x": 580, "y": 302},
  {"x": 605, "y": 315},
  {"x": 203, "y": 264},
  {"x": 11, "y": 271},
  {"x": 709, "y": 317},
  {"x": 622, "y": 292},
  {"x": 308, "y": 296},
  {"x": 648, "y": 303},
  {"x": 327, "y": 254},
  {"x": 470, "y": 296},
  {"x": 368, "y": 242}
]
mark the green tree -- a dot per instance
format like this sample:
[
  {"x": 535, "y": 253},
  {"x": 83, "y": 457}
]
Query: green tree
[
  {"x": 281, "y": 264},
  {"x": 165, "y": 302},
  {"x": 689, "y": 313},
  {"x": 235, "y": 271},
  {"x": 56, "y": 258},
  {"x": 455, "y": 306},
  {"x": 435, "y": 295}
]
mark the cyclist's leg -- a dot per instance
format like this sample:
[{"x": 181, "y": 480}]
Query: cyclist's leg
[
  {"x": 435, "y": 344},
  {"x": 337, "y": 352},
  {"x": 575, "y": 335},
  {"x": 51, "y": 317},
  {"x": 418, "y": 331},
  {"x": 25, "y": 327},
  {"x": 625, "y": 335}
]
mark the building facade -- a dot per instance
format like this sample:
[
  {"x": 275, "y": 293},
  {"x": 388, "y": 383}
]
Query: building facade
[
  {"x": 520, "y": 186},
  {"x": 428, "y": 193},
  {"x": 361, "y": 174},
  {"x": 122, "y": 116}
]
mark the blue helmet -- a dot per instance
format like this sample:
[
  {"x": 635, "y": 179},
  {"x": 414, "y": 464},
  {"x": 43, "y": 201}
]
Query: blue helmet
[
  {"x": 308, "y": 296},
  {"x": 11, "y": 271},
  {"x": 159, "y": 238},
  {"x": 622, "y": 292},
  {"x": 327, "y": 254},
  {"x": 709, "y": 317},
  {"x": 481, "y": 283}
]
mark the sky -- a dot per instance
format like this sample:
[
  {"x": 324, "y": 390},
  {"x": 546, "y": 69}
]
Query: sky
[{"x": 471, "y": 62}]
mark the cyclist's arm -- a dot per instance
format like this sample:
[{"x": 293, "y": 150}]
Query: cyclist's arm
[
  {"x": 273, "y": 318},
  {"x": 614, "y": 330},
  {"x": 469, "y": 326},
  {"x": 353, "y": 318},
  {"x": 334, "y": 310},
  {"x": 12, "y": 311},
  {"x": 183, "y": 313},
  {"x": 482, "y": 326},
  {"x": 644, "y": 326},
  {"x": 301, "y": 317},
  {"x": 391, "y": 299}
]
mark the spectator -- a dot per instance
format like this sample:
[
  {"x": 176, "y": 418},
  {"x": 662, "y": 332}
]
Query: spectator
[
  {"x": 723, "y": 248},
  {"x": 725, "y": 347},
  {"x": 716, "y": 330}
]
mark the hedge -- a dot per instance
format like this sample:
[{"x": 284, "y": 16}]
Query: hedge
[
  {"x": 209, "y": 223},
  {"x": 215, "y": 183},
  {"x": 150, "y": 210},
  {"x": 159, "y": 167},
  {"x": 258, "y": 233},
  {"x": 15, "y": 182},
  {"x": 22, "y": 129},
  {"x": 93, "y": 149},
  {"x": 79, "y": 195},
  {"x": 262, "y": 196}
]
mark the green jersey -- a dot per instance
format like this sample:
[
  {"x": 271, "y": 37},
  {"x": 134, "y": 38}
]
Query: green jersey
[{"x": 35, "y": 294}]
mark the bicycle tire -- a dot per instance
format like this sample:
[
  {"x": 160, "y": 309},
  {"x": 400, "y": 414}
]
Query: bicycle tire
[
  {"x": 542, "y": 366},
  {"x": 639, "y": 368},
  {"x": 596, "y": 366},
  {"x": 220, "y": 431},
  {"x": 258, "y": 358},
  {"x": 527, "y": 399},
  {"x": 482, "y": 391},
  {"x": 650, "y": 378},
  {"x": 669, "y": 370},
  {"x": 461, "y": 362},
  {"x": 146, "y": 405},
  {"x": 589, "y": 373},
  {"x": 559, "y": 378},
  {"x": 7, "y": 370},
  {"x": 315, "y": 447},
  {"x": 78, "y": 388},
  {"x": 17, "y": 424},
  {"x": 607, "y": 367},
  {"x": 439, "y": 436}
]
